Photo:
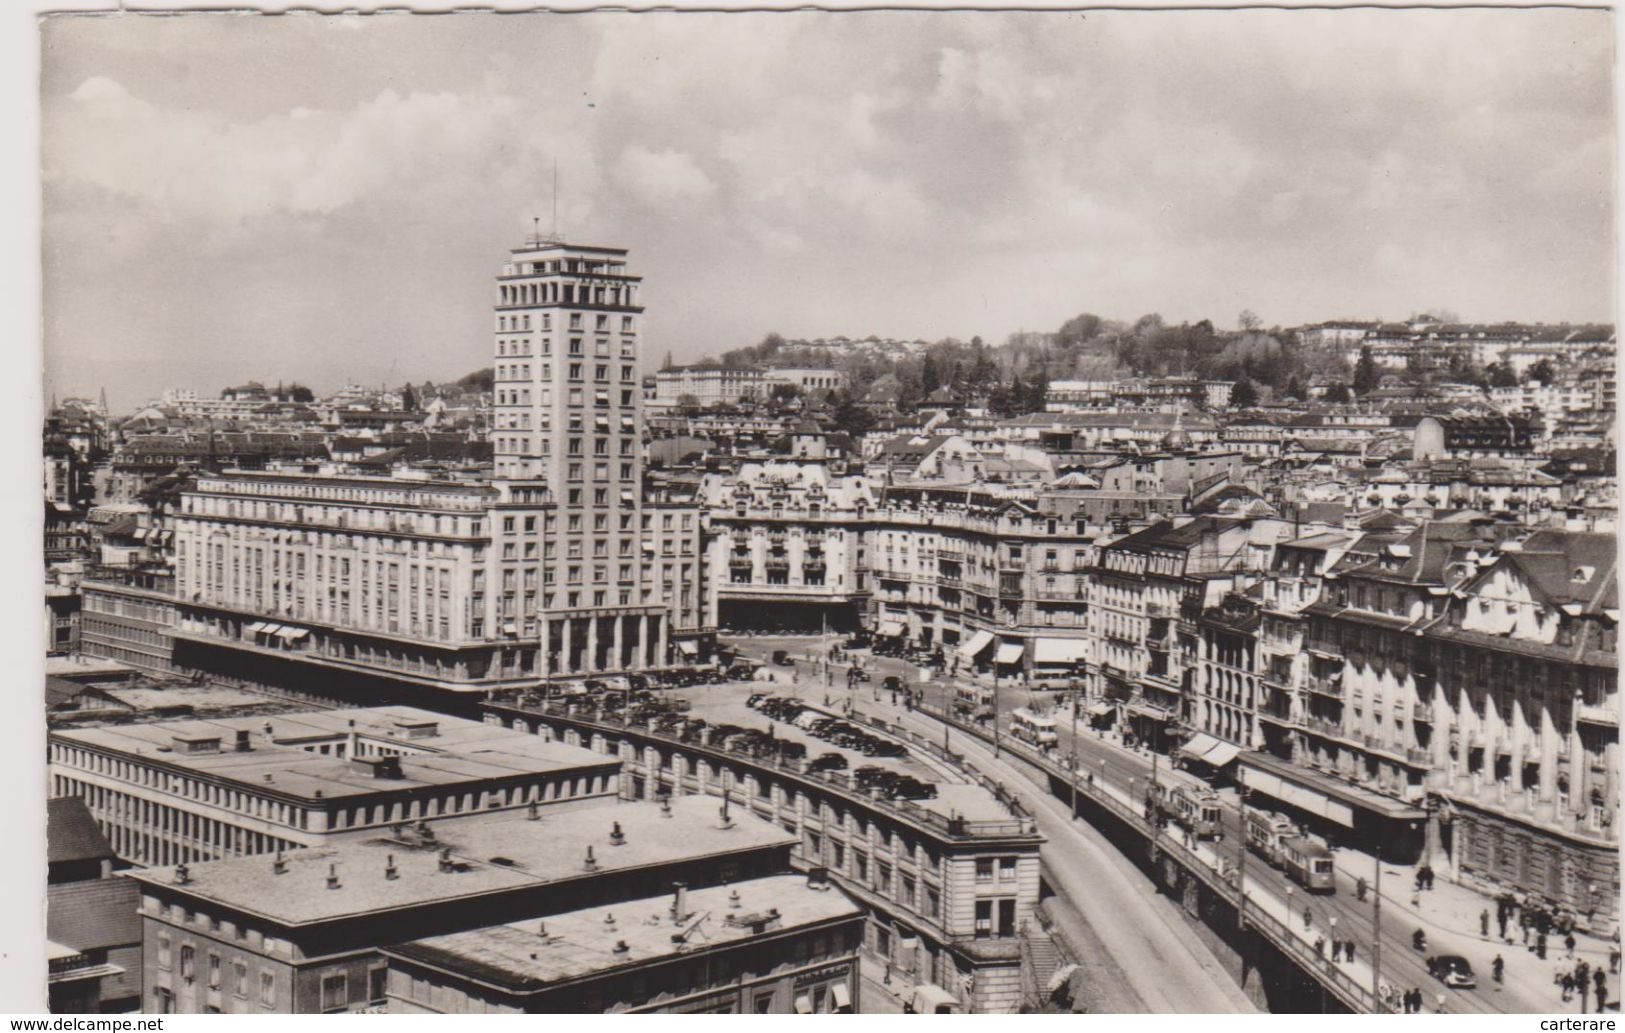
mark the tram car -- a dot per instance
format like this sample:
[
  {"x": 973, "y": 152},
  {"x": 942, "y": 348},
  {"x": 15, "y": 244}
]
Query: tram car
[
  {"x": 1309, "y": 864},
  {"x": 1188, "y": 801},
  {"x": 1266, "y": 831}
]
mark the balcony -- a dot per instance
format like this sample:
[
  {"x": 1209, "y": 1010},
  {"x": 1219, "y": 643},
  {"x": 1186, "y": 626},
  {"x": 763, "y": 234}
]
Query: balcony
[
  {"x": 944, "y": 581},
  {"x": 1058, "y": 596},
  {"x": 778, "y": 563},
  {"x": 1422, "y": 713},
  {"x": 1278, "y": 710},
  {"x": 1604, "y": 715},
  {"x": 1324, "y": 727},
  {"x": 1010, "y": 586},
  {"x": 740, "y": 562},
  {"x": 1329, "y": 687}
]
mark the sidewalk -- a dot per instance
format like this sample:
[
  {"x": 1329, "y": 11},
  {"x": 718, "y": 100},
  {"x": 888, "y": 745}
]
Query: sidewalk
[{"x": 876, "y": 998}]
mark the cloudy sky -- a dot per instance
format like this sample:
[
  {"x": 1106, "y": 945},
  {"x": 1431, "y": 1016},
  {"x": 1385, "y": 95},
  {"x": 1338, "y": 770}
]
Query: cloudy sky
[{"x": 328, "y": 198}]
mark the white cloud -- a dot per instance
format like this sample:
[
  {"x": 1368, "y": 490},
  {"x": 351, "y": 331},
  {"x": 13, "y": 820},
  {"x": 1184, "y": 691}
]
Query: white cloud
[{"x": 662, "y": 177}]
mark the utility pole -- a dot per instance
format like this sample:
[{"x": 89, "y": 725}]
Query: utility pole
[
  {"x": 1074, "y": 747},
  {"x": 1376, "y": 931},
  {"x": 1241, "y": 862},
  {"x": 995, "y": 713}
]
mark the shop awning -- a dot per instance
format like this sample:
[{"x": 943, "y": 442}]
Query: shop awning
[
  {"x": 892, "y": 629},
  {"x": 1059, "y": 650},
  {"x": 1101, "y": 710},
  {"x": 1198, "y": 745},
  {"x": 978, "y": 642},
  {"x": 804, "y": 1005},
  {"x": 256, "y": 628},
  {"x": 1148, "y": 711},
  {"x": 1009, "y": 653},
  {"x": 1297, "y": 796},
  {"x": 687, "y": 648},
  {"x": 843, "y": 999},
  {"x": 291, "y": 634},
  {"x": 1222, "y": 754},
  {"x": 271, "y": 629}
]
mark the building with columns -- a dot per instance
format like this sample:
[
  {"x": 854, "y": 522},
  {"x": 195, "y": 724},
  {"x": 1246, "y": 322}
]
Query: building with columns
[{"x": 375, "y": 589}]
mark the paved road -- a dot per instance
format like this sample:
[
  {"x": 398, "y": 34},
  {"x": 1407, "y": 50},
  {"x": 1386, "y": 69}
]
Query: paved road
[
  {"x": 1449, "y": 914},
  {"x": 1161, "y": 965}
]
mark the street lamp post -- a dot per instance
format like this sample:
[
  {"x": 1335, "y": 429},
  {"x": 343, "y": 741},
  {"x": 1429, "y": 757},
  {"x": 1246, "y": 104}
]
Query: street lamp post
[{"x": 1074, "y": 747}]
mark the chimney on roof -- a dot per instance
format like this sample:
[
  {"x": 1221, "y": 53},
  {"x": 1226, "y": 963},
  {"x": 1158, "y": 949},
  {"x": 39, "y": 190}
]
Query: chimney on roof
[
  {"x": 733, "y": 900},
  {"x": 818, "y": 878},
  {"x": 279, "y": 866},
  {"x": 390, "y": 871},
  {"x": 665, "y": 805},
  {"x": 541, "y": 930},
  {"x": 268, "y": 730},
  {"x": 534, "y": 813},
  {"x": 333, "y": 876},
  {"x": 591, "y": 864},
  {"x": 183, "y": 875},
  {"x": 445, "y": 859},
  {"x": 616, "y": 836},
  {"x": 727, "y": 822},
  {"x": 679, "y": 904},
  {"x": 425, "y": 833},
  {"x": 622, "y": 948},
  {"x": 354, "y": 744},
  {"x": 609, "y": 920},
  {"x": 242, "y": 741}
]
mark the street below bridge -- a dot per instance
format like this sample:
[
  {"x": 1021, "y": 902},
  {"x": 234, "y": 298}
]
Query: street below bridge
[{"x": 1449, "y": 914}]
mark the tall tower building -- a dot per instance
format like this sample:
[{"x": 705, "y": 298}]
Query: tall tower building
[{"x": 568, "y": 456}]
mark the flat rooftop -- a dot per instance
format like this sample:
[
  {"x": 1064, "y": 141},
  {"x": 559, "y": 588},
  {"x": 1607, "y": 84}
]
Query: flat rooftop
[
  {"x": 436, "y": 750},
  {"x": 519, "y": 957},
  {"x": 495, "y": 853}
]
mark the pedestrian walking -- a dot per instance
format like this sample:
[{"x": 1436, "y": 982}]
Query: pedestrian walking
[
  {"x": 1308, "y": 920},
  {"x": 1320, "y": 946},
  {"x": 1582, "y": 973},
  {"x": 1613, "y": 959},
  {"x": 1568, "y": 944},
  {"x": 1348, "y": 951},
  {"x": 1484, "y": 923},
  {"x": 1540, "y": 946},
  {"x": 1568, "y": 985},
  {"x": 1359, "y": 888},
  {"x": 1523, "y": 923},
  {"x": 1601, "y": 982},
  {"x": 1503, "y": 926},
  {"x": 1497, "y": 968}
]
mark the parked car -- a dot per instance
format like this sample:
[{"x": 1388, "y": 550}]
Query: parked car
[
  {"x": 742, "y": 672},
  {"x": 892, "y": 683},
  {"x": 860, "y": 640},
  {"x": 828, "y": 762},
  {"x": 871, "y": 775},
  {"x": 782, "y": 658},
  {"x": 1453, "y": 971},
  {"x": 884, "y": 748},
  {"x": 756, "y": 700},
  {"x": 792, "y": 750},
  {"x": 909, "y": 788},
  {"x": 859, "y": 674}
]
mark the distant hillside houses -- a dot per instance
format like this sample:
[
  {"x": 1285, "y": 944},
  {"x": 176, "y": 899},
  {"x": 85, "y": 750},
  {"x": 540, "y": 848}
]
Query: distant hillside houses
[
  {"x": 1428, "y": 344},
  {"x": 881, "y": 347}
]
